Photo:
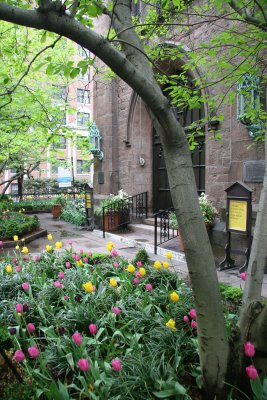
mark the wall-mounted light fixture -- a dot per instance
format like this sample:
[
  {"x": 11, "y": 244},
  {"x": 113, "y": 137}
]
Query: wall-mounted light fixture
[
  {"x": 95, "y": 139},
  {"x": 248, "y": 104}
]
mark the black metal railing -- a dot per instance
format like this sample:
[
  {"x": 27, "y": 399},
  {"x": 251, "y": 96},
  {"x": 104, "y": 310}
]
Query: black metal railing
[
  {"x": 162, "y": 229},
  {"x": 122, "y": 212},
  {"x": 44, "y": 196}
]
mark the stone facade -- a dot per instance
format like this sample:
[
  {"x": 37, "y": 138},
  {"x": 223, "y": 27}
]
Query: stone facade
[{"x": 127, "y": 140}]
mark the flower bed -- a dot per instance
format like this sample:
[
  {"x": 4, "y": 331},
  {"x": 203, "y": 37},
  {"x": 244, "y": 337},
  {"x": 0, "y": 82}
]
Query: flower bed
[
  {"x": 98, "y": 327},
  {"x": 16, "y": 223},
  {"x": 74, "y": 212}
]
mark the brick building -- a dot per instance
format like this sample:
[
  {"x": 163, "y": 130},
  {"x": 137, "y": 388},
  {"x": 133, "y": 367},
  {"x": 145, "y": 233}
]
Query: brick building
[{"x": 133, "y": 159}]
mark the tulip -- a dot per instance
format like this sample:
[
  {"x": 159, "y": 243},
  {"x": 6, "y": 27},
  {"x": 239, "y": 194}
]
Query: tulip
[
  {"x": 192, "y": 313},
  {"x": 171, "y": 324},
  {"x": 139, "y": 264},
  {"x": 116, "y": 264},
  {"x": 48, "y": 247},
  {"x": 174, "y": 297},
  {"x": 142, "y": 272},
  {"x": 243, "y": 276},
  {"x": 88, "y": 286},
  {"x": 116, "y": 310},
  {"x": 169, "y": 255},
  {"x": 113, "y": 282},
  {"x": 138, "y": 275},
  {"x": 25, "y": 286},
  {"x": 25, "y": 250},
  {"x": 61, "y": 275},
  {"x": 114, "y": 253},
  {"x": 9, "y": 269},
  {"x": 186, "y": 319},
  {"x": 33, "y": 352},
  {"x": 166, "y": 264},
  {"x": 252, "y": 373},
  {"x": 249, "y": 349},
  {"x": 67, "y": 264},
  {"x": 26, "y": 257},
  {"x": 85, "y": 260},
  {"x": 90, "y": 254},
  {"x": 58, "y": 284},
  {"x": 116, "y": 364},
  {"x": 70, "y": 242},
  {"x": 81, "y": 251},
  {"x": 83, "y": 364},
  {"x": 157, "y": 264},
  {"x": 65, "y": 297},
  {"x": 30, "y": 328},
  {"x": 149, "y": 287},
  {"x": 58, "y": 245},
  {"x": 36, "y": 258},
  {"x": 1, "y": 243},
  {"x": 109, "y": 246},
  {"x": 130, "y": 268},
  {"x": 16, "y": 238},
  {"x": 49, "y": 236},
  {"x": 19, "y": 356},
  {"x": 12, "y": 331},
  {"x": 19, "y": 307},
  {"x": 92, "y": 329},
  {"x": 18, "y": 268},
  {"x": 136, "y": 281},
  {"x": 77, "y": 338},
  {"x": 193, "y": 324}
]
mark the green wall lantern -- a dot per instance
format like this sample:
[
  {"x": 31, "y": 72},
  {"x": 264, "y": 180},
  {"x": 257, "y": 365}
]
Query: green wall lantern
[
  {"x": 248, "y": 104},
  {"x": 95, "y": 139}
]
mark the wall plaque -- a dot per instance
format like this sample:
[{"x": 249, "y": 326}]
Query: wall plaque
[
  {"x": 253, "y": 171},
  {"x": 100, "y": 178}
]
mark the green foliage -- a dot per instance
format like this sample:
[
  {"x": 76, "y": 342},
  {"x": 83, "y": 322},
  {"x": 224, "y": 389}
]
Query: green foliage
[
  {"x": 16, "y": 223},
  {"x": 19, "y": 391},
  {"x": 230, "y": 293},
  {"x": 141, "y": 255},
  {"x": 113, "y": 201},
  {"x": 74, "y": 212},
  {"x": 33, "y": 205},
  {"x": 5, "y": 339}
]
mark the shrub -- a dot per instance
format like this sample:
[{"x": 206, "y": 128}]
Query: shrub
[
  {"x": 141, "y": 255},
  {"x": 74, "y": 212},
  {"x": 33, "y": 205},
  {"x": 16, "y": 223}
]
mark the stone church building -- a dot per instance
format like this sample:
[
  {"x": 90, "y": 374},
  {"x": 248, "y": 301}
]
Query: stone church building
[{"x": 133, "y": 158}]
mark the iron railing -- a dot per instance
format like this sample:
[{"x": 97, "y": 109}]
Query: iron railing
[
  {"x": 162, "y": 230},
  {"x": 122, "y": 212}
]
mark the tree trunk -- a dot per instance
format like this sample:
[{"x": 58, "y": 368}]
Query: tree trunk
[{"x": 20, "y": 187}]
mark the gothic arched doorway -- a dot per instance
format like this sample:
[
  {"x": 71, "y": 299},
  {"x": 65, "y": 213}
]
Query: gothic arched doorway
[{"x": 161, "y": 190}]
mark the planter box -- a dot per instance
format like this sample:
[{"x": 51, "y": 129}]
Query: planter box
[
  {"x": 112, "y": 221},
  {"x": 56, "y": 211}
]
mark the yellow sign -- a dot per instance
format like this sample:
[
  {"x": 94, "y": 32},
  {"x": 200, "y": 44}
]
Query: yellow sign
[
  {"x": 238, "y": 215},
  {"x": 88, "y": 200}
]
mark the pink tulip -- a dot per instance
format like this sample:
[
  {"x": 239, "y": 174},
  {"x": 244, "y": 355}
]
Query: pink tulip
[
  {"x": 18, "y": 269},
  {"x": 19, "y": 356},
  {"x": 92, "y": 329},
  {"x": 77, "y": 338},
  {"x": 33, "y": 352},
  {"x": 26, "y": 257},
  {"x": 149, "y": 287},
  {"x": 61, "y": 275},
  {"x": 25, "y": 286},
  {"x": 186, "y": 319},
  {"x": 249, "y": 349},
  {"x": 15, "y": 260},
  {"x": 136, "y": 281},
  {"x": 139, "y": 264},
  {"x": 36, "y": 258},
  {"x": 1, "y": 243},
  {"x": 116, "y": 310},
  {"x": 193, "y": 324},
  {"x": 70, "y": 242},
  {"x": 57, "y": 284},
  {"x": 192, "y": 313},
  {"x": 252, "y": 373},
  {"x": 65, "y": 297},
  {"x": 116, "y": 264},
  {"x": 83, "y": 364},
  {"x": 73, "y": 256},
  {"x": 138, "y": 275},
  {"x": 243, "y": 276},
  {"x": 81, "y": 251},
  {"x": 67, "y": 264},
  {"x": 116, "y": 364},
  {"x": 77, "y": 258},
  {"x": 19, "y": 307},
  {"x": 85, "y": 260},
  {"x": 114, "y": 253},
  {"x": 30, "y": 328},
  {"x": 90, "y": 254}
]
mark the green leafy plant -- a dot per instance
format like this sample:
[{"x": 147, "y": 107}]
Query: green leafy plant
[
  {"x": 16, "y": 223},
  {"x": 141, "y": 255},
  {"x": 74, "y": 212},
  {"x": 113, "y": 201}
]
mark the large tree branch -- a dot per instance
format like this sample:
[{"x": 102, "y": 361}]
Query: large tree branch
[{"x": 248, "y": 18}]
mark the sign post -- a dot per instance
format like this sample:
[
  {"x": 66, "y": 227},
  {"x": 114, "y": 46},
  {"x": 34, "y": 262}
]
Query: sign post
[
  {"x": 89, "y": 207},
  {"x": 64, "y": 177},
  {"x": 238, "y": 220}
]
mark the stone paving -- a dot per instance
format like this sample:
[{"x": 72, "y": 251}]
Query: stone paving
[{"x": 127, "y": 244}]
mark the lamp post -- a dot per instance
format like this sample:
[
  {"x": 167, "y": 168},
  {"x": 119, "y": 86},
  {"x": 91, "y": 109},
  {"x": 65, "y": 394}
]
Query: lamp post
[
  {"x": 95, "y": 139},
  {"x": 248, "y": 104}
]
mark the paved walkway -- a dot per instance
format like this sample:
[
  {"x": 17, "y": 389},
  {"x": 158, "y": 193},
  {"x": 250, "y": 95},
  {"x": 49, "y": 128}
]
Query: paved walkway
[{"x": 127, "y": 244}]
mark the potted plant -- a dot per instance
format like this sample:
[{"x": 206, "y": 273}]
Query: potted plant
[
  {"x": 57, "y": 205},
  {"x": 209, "y": 213},
  {"x": 111, "y": 210}
]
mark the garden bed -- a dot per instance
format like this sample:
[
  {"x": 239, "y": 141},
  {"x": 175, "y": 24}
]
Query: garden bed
[{"x": 27, "y": 238}]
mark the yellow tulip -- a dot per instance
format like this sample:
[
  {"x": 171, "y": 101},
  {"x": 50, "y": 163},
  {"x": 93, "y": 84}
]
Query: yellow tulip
[
  {"x": 58, "y": 245},
  {"x": 113, "y": 282},
  {"x": 157, "y": 264},
  {"x": 130, "y": 268},
  {"x": 48, "y": 247},
  {"x": 169, "y": 255},
  {"x": 9, "y": 269},
  {"x": 166, "y": 264},
  {"x": 16, "y": 238},
  {"x": 171, "y": 324},
  {"x": 88, "y": 286},
  {"x": 142, "y": 271},
  {"x": 17, "y": 247},
  {"x": 174, "y": 297},
  {"x": 25, "y": 250},
  {"x": 109, "y": 246},
  {"x": 49, "y": 236},
  {"x": 80, "y": 263}
]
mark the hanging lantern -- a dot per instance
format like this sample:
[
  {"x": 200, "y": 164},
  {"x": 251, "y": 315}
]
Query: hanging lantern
[
  {"x": 95, "y": 139},
  {"x": 248, "y": 104}
]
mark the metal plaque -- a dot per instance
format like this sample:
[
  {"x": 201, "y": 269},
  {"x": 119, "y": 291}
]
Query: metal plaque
[{"x": 253, "y": 171}]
